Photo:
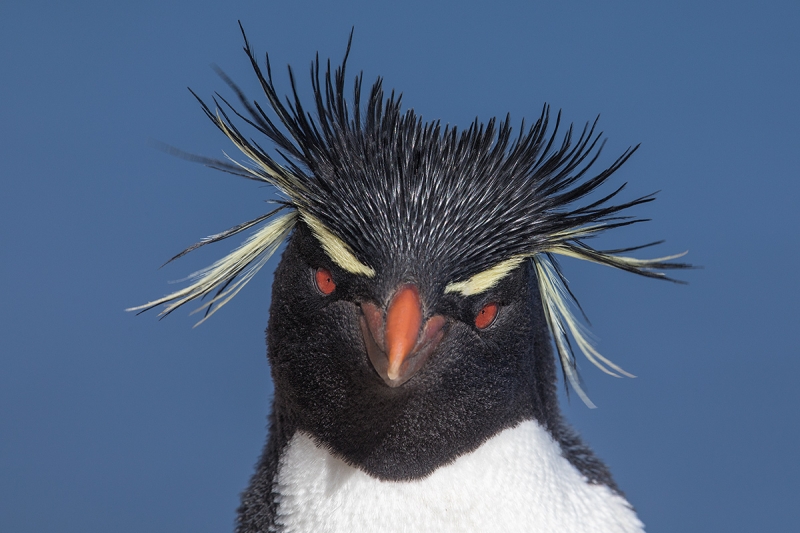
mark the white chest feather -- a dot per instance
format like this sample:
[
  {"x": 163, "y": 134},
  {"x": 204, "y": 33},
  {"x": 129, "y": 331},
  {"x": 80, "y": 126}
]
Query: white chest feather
[{"x": 516, "y": 481}]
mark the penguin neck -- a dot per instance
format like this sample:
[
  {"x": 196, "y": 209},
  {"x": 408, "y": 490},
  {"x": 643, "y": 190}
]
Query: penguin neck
[{"x": 409, "y": 437}]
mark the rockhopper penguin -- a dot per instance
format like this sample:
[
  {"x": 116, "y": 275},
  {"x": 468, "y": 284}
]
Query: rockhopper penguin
[{"x": 415, "y": 312}]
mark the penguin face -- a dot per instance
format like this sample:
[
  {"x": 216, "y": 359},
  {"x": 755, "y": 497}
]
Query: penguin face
[{"x": 330, "y": 338}]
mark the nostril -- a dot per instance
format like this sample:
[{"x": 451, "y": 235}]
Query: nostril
[
  {"x": 374, "y": 320},
  {"x": 434, "y": 331}
]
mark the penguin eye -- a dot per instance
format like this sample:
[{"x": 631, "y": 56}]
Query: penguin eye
[
  {"x": 325, "y": 282},
  {"x": 486, "y": 316}
]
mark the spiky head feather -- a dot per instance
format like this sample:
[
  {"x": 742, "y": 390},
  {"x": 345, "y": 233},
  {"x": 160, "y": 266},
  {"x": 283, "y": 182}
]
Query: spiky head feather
[{"x": 383, "y": 190}]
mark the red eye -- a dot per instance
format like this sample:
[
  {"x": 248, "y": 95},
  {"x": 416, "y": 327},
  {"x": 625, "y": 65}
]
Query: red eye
[
  {"x": 486, "y": 316},
  {"x": 325, "y": 282}
]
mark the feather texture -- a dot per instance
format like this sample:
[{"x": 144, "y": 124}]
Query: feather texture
[{"x": 382, "y": 189}]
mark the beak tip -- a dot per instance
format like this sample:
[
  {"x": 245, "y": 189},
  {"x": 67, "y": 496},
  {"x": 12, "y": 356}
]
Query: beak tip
[{"x": 393, "y": 372}]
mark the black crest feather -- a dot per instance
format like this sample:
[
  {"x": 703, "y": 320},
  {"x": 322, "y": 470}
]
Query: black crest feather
[{"x": 394, "y": 188}]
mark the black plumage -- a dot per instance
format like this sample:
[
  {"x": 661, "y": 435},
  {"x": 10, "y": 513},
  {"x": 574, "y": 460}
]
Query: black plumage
[
  {"x": 383, "y": 180},
  {"x": 384, "y": 204},
  {"x": 462, "y": 397}
]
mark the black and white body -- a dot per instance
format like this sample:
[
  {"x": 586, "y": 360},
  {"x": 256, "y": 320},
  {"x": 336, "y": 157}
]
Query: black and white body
[{"x": 417, "y": 314}]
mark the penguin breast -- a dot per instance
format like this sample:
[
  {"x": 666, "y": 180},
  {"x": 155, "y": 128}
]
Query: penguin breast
[{"x": 517, "y": 480}]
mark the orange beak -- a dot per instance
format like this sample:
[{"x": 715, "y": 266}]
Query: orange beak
[
  {"x": 399, "y": 345},
  {"x": 403, "y": 320}
]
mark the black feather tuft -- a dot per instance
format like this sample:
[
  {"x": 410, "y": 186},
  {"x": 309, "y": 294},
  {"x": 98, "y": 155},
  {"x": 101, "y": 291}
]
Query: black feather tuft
[
  {"x": 411, "y": 198},
  {"x": 398, "y": 190}
]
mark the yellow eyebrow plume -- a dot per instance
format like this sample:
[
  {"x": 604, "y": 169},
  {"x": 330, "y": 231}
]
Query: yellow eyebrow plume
[
  {"x": 483, "y": 281},
  {"x": 336, "y": 249}
]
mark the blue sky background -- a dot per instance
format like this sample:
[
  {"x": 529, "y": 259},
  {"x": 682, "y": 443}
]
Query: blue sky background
[{"x": 112, "y": 422}]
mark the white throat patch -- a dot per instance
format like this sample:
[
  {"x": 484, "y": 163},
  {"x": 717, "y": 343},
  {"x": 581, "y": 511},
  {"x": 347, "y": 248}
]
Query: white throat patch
[{"x": 516, "y": 481}]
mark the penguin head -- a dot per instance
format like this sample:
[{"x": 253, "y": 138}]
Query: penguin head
[{"x": 419, "y": 294}]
